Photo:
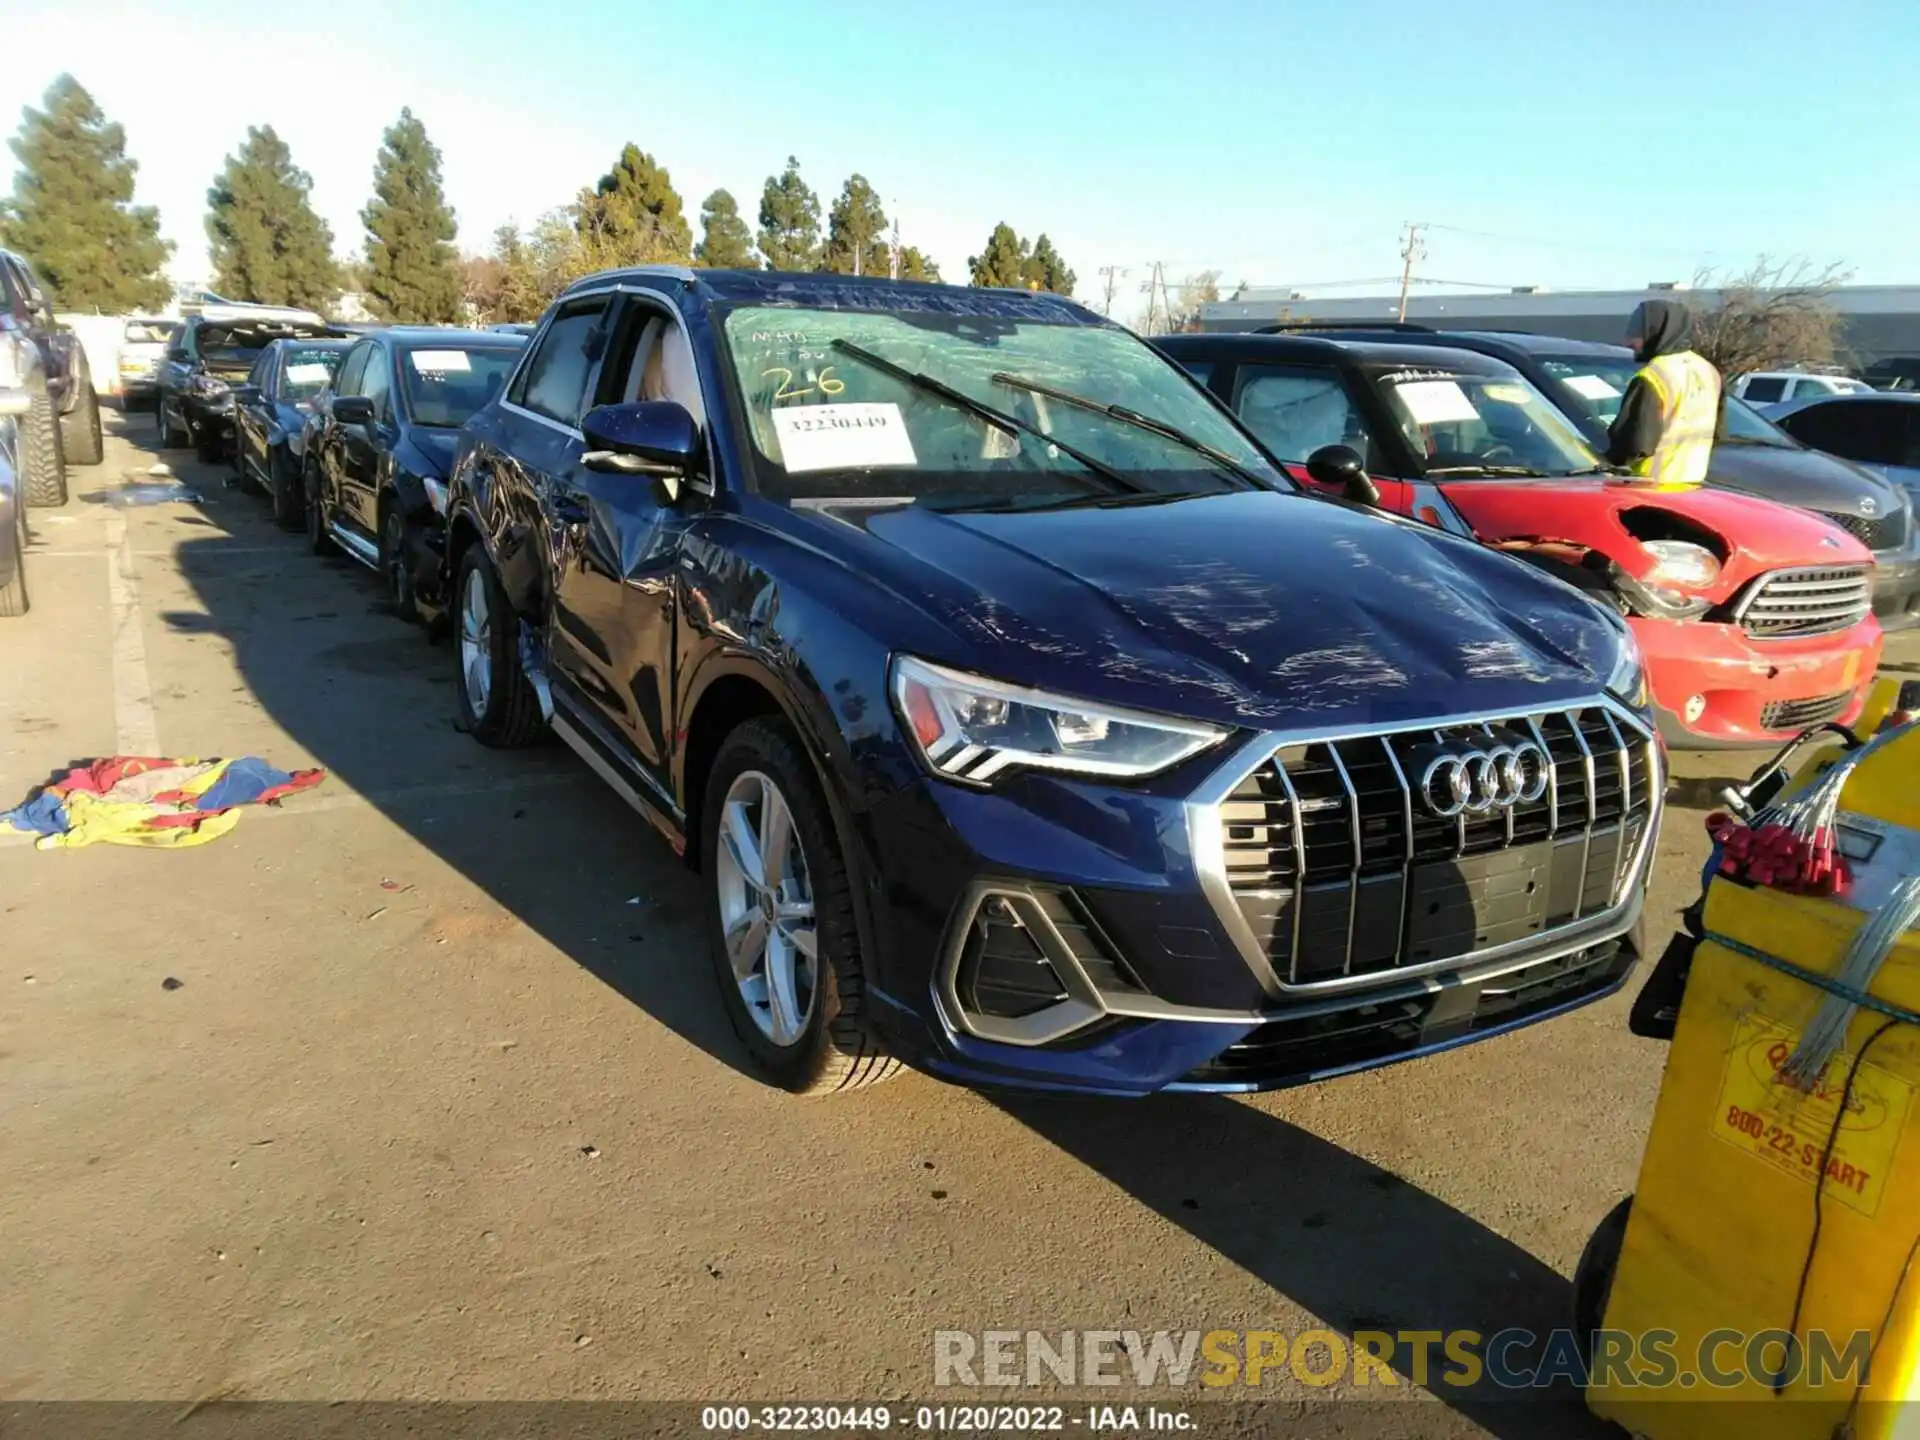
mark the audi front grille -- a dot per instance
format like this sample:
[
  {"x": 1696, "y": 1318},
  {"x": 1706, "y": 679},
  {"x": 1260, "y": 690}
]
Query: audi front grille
[
  {"x": 1811, "y": 601},
  {"x": 1335, "y": 863}
]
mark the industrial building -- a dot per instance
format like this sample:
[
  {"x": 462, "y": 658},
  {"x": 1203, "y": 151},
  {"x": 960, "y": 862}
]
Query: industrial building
[{"x": 1879, "y": 321}]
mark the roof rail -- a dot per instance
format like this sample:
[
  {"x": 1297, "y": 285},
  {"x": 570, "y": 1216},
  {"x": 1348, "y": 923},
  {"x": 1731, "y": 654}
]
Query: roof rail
[{"x": 1289, "y": 325}]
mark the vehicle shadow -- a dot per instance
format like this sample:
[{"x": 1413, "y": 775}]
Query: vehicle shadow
[
  {"x": 1357, "y": 1246},
  {"x": 543, "y": 840}
]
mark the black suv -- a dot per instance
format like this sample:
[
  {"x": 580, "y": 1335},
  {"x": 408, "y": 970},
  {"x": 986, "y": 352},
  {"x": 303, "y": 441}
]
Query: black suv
[
  {"x": 1024, "y": 722},
  {"x": 24, "y": 307},
  {"x": 214, "y": 352}
]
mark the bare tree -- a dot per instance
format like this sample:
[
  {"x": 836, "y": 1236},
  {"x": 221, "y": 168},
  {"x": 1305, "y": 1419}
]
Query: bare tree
[
  {"x": 1776, "y": 313},
  {"x": 1183, "y": 304}
]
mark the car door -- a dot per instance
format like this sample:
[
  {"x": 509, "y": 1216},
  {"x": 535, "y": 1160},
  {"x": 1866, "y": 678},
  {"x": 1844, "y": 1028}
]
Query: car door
[
  {"x": 363, "y": 448},
  {"x": 252, "y": 419},
  {"x": 323, "y": 445}
]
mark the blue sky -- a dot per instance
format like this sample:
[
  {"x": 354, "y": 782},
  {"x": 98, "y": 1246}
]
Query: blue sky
[{"x": 1279, "y": 142}]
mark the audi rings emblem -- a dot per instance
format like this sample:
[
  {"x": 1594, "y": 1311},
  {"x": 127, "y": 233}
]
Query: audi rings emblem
[{"x": 1477, "y": 782}]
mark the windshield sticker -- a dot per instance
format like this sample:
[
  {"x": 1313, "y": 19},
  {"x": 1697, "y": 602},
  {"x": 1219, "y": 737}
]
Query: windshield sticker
[
  {"x": 1508, "y": 394},
  {"x": 440, "y": 362},
  {"x": 1436, "y": 402},
  {"x": 1400, "y": 377},
  {"x": 787, "y": 388},
  {"x": 842, "y": 437},
  {"x": 309, "y": 374},
  {"x": 1591, "y": 387}
]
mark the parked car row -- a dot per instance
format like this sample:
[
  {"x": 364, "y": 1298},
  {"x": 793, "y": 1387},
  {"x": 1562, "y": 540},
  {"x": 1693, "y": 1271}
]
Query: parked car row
[{"x": 1044, "y": 709}]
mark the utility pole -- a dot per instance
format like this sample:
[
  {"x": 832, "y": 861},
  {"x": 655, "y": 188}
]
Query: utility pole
[
  {"x": 1110, "y": 275},
  {"x": 1156, "y": 292},
  {"x": 894, "y": 248},
  {"x": 1411, "y": 249}
]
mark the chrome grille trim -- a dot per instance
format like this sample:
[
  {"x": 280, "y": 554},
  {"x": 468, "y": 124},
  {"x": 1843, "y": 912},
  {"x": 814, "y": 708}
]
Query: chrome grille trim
[
  {"x": 1207, "y": 838},
  {"x": 1809, "y": 600}
]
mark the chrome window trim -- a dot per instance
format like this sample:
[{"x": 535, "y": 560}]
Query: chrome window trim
[{"x": 1204, "y": 832}]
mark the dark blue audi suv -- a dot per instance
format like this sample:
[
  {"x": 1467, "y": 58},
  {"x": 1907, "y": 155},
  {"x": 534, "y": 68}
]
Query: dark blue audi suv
[{"x": 1026, "y": 724}]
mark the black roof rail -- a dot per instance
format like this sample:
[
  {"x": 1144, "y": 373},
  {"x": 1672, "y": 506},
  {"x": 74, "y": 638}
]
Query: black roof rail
[{"x": 1289, "y": 325}]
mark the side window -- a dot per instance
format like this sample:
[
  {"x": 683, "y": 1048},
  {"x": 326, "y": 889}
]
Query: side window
[
  {"x": 651, "y": 360},
  {"x": 261, "y": 376},
  {"x": 1200, "y": 370},
  {"x": 1294, "y": 410},
  {"x": 355, "y": 365},
  {"x": 1859, "y": 430},
  {"x": 554, "y": 384},
  {"x": 1760, "y": 389},
  {"x": 377, "y": 382}
]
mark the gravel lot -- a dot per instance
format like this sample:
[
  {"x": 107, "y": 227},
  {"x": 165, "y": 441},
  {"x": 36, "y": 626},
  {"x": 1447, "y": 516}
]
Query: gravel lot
[{"x": 444, "y": 1105}]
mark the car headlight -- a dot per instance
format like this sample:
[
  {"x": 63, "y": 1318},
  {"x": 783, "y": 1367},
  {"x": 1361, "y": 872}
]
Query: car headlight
[
  {"x": 436, "y": 494},
  {"x": 1681, "y": 562},
  {"x": 1627, "y": 677},
  {"x": 207, "y": 386},
  {"x": 971, "y": 729}
]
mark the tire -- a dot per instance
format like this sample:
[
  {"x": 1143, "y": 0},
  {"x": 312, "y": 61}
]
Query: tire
[
  {"x": 80, "y": 435},
  {"x": 13, "y": 595},
  {"x": 43, "y": 478},
  {"x": 289, "y": 495},
  {"x": 208, "y": 448},
  {"x": 1593, "y": 1278},
  {"x": 173, "y": 435},
  {"x": 244, "y": 480},
  {"x": 811, "y": 1043},
  {"x": 498, "y": 706},
  {"x": 393, "y": 561},
  {"x": 318, "y": 537}
]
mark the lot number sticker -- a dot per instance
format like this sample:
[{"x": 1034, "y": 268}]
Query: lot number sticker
[
  {"x": 842, "y": 437},
  {"x": 1591, "y": 387},
  {"x": 1436, "y": 402},
  {"x": 440, "y": 362},
  {"x": 309, "y": 374},
  {"x": 1787, "y": 1128}
]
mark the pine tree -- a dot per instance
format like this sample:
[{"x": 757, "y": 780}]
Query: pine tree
[
  {"x": 413, "y": 271},
  {"x": 855, "y": 226},
  {"x": 1004, "y": 262},
  {"x": 1045, "y": 270},
  {"x": 725, "y": 241},
  {"x": 789, "y": 221},
  {"x": 72, "y": 212},
  {"x": 268, "y": 245},
  {"x": 634, "y": 215},
  {"x": 915, "y": 266}
]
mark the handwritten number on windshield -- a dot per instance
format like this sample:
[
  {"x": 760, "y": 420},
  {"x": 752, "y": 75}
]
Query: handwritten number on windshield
[{"x": 824, "y": 381}]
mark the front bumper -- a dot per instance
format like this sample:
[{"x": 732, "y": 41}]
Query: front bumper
[
  {"x": 1714, "y": 686},
  {"x": 207, "y": 416},
  {"x": 1896, "y": 585},
  {"x": 1115, "y": 892}
]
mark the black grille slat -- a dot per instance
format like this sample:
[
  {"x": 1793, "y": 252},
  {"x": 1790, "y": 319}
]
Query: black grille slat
[
  {"x": 1799, "y": 714},
  {"x": 1387, "y": 884},
  {"x": 1876, "y": 532}
]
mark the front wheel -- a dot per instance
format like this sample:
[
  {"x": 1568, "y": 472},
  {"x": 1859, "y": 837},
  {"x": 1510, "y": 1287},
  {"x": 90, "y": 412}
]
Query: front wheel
[
  {"x": 173, "y": 434},
  {"x": 394, "y": 564},
  {"x": 13, "y": 594},
  {"x": 80, "y": 433},
  {"x": 780, "y": 922},
  {"x": 319, "y": 531},
  {"x": 498, "y": 706},
  {"x": 43, "y": 478},
  {"x": 289, "y": 496}
]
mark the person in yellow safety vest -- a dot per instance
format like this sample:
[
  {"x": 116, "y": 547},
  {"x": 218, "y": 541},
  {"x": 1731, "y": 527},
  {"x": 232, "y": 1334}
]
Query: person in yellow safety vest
[{"x": 1664, "y": 431}]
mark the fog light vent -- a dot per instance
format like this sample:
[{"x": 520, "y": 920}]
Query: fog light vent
[{"x": 1004, "y": 971}]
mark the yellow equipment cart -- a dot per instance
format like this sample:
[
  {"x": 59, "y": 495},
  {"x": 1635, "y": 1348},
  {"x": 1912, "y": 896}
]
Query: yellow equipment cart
[{"x": 1759, "y": 1283}]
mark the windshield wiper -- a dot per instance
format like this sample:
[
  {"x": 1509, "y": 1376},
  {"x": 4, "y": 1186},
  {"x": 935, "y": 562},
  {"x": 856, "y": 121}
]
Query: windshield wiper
[
  {"x": 999, "y": 419},
  {"x": 1139, "y": 422},
  {"x": 1517, "y": 472}
]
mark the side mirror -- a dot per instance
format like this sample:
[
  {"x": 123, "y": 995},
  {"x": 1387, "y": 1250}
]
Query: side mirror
[
  {"x": 353, "y": 409},
  {"x": 1340, "y": 468},
  {"x": 651, "y": 437},
  {"x": 245, "y": 394}
]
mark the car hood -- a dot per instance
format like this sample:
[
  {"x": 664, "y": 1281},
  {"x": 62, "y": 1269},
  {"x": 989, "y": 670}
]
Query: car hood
[
  {"x": 1253, "y": 608},
  {"x": 1612, "y": 516},
  {"x": 1807, "y": 478},
  {"x": 435, "y": 448}
]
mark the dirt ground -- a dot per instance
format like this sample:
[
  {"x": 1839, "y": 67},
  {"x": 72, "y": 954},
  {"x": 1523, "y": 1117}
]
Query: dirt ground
[{"x": 443, "y": 1104}]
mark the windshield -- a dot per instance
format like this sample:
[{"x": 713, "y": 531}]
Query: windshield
[
  {"x": 1741, "y": 424},
  {"x": 147, "y": 332},
  {"x": 309, "y": 370},
  {"x": 1600, "y": 381},
  {"x": 445, "y": 385},
  {"x": 1495, "y": 425},
  {"x": 834, "y": 414}
]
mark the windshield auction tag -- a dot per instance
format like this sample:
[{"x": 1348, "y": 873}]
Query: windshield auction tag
[
  {"x": 440, "y": 362},
  {"x": 842, "y": 437},
  {"x": 1591, "y": 387},
  {"x": 316, "y": 374},
  {"x": 1436, "y": 402}
]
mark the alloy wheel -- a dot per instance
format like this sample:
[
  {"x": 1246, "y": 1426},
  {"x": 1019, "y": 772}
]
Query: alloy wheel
[
  {"x": 395, "y": 538},
  {"x": 476, "y": 642},
  {"x": 766, "y": 908}
]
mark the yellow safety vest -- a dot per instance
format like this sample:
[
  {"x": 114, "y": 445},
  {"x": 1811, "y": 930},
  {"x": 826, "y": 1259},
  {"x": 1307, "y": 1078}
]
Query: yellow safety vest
[{"x": 1688, "y": 389}]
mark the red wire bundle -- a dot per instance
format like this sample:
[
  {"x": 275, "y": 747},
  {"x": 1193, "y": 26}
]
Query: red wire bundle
[{"x": 1776, "y": 855}]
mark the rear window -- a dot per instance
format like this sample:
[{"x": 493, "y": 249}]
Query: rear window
[
  {"x": 309, "y": 369},
  {"x": 1762, "y": 388},
  {"x": 446, "y": 384}
]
